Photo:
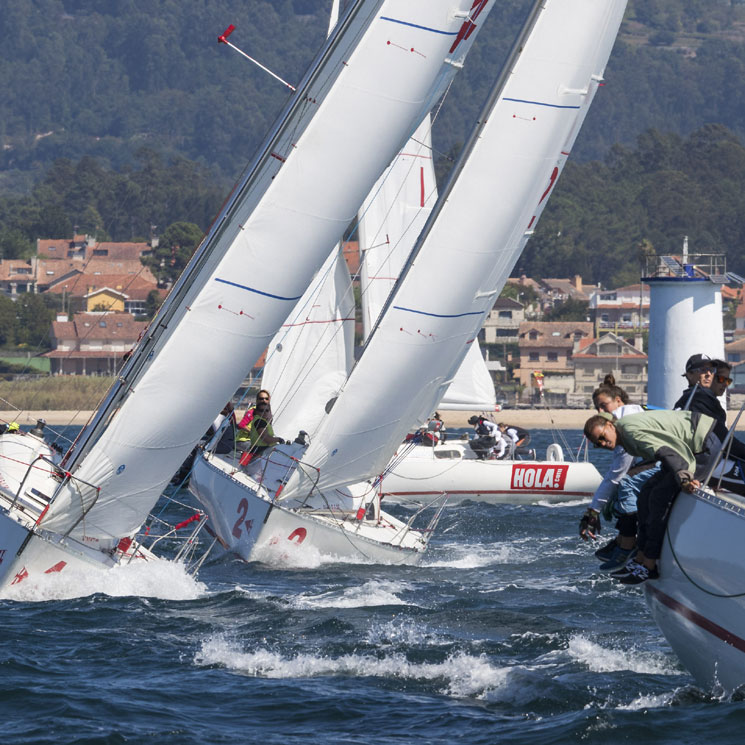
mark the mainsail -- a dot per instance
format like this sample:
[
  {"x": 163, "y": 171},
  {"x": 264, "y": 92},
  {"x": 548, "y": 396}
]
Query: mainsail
[
  {"x": 472, "y": 240},
  {"x": 391, "y": 219},
  {"x": 373, "y": 81}
]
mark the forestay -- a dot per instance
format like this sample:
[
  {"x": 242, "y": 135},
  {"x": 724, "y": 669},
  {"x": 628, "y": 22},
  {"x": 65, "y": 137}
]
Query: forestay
[
  {"x": 472, "y": 240},
  {"x": 363, "y": 96}
]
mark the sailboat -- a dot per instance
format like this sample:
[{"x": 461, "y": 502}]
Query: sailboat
[
  {"x": 391, "y": 219},
  {"x": 363, "y": 94},
  {"x": 518, "y": 147},
  {"x": 244, "y": 502}
]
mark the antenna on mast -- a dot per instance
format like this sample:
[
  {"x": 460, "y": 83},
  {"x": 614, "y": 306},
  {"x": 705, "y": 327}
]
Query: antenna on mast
[{"x": 223, "y": 39}]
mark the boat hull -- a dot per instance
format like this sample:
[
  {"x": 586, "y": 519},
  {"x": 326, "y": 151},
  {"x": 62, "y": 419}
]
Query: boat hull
[
  {"x": 699, "y": 600},
  {"x": 251, "y": 524},
  {"x": 424, "y": 473}
]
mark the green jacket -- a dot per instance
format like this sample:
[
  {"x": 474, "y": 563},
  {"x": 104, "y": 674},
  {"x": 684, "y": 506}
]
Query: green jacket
[{"x": 650, "y": 432}]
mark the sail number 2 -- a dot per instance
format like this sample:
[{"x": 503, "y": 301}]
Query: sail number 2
[{"x": 241, "y": 521}]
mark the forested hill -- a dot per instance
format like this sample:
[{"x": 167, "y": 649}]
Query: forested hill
[
  {"x": 154, "y": 120},
  {"x": 104, "y": 77}
]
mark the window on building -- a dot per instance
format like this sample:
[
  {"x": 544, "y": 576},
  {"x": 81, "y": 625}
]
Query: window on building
[
  {"x": 505, "y": 314},
  {"x": 505, "y": 332},
  {"x": 533, "y": 357},
  {"x": 533, "y": 335},
  {"x": 102, "y": 324},
  {"x": 552, "y": 357}
]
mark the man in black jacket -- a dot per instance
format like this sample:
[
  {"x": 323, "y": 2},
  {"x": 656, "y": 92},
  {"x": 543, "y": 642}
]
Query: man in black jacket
[
  {"x": 708, "y": 380},
  {"x": 700, "y": 370}
]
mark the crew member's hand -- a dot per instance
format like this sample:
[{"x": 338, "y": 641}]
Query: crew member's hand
[{"x": 589, "y": 524}]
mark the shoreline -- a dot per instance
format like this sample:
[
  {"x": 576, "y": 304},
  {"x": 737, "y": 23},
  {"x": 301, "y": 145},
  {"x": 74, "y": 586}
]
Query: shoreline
[{"x": 526, "y": 418}]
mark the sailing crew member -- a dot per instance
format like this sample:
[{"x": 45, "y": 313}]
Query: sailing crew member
[
  {"x": 517, "y": 438},
  {"x": 259, "y": 435},
  {"x": 487, "y": 434},
  {"x": 684, "y": 443},
  {"x": 618, "y": 492},
  {"x": 708, "y": 381},
  {"x": 699, "y": 372},
  {"x": 262, "y": 396}
]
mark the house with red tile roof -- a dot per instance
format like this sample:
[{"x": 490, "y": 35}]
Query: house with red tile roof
[
  {"x": 92, "y": 343},
  {"x": 593, "y": 359},
  {"x": 547, "y": 347}
]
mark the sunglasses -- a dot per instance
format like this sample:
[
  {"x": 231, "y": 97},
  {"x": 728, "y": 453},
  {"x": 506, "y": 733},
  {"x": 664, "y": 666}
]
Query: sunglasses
[
  {"x": 263, "y": 399},
  {"x": 723, "y": 379},
  {"x": 704, "y": 370}
]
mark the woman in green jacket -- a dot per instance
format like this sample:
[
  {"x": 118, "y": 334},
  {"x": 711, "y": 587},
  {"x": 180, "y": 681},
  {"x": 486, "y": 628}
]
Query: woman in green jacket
[{"x": 684, "y": 443}]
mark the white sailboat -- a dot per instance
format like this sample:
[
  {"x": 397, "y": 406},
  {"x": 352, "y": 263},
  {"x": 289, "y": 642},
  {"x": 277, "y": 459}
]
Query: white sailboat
[
  {"x": 522, "y": 139},
  {"x": 391, "y": 219},
  {"x": 699, "y": 600},
  {"x": 362, "y": 95},
  {"x": 244, "y": 503}
]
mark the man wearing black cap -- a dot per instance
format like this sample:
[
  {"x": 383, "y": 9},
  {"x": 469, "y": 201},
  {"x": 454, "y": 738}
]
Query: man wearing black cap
[
  {"x": 702, "y": 397},
  {"x": 700, "y": 370}
]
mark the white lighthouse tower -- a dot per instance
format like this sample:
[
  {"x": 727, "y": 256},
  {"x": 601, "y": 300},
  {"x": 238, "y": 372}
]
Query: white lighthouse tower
[{"x": 685, "y": 318}]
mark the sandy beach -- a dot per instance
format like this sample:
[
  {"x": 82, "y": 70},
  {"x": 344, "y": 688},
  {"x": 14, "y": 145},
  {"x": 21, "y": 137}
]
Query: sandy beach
[{"x": 527, "y": 418}]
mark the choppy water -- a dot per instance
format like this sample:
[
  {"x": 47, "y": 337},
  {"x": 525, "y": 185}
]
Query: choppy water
[{"x": 505, "y": 634}]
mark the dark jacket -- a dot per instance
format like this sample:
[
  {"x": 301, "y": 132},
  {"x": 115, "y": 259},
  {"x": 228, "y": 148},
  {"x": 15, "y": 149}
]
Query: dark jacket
[{"x": 705, "y": 402}]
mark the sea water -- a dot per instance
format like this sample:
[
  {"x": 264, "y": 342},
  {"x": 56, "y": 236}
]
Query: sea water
[{"x": 506, "y": 633}]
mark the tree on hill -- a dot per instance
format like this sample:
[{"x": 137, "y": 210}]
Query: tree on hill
[{"x": 175, "y": 247}]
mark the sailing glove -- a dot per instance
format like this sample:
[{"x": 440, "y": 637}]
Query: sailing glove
[{"x": 589, "y": 524}]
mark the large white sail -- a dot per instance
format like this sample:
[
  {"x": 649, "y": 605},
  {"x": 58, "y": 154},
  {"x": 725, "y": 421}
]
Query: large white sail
[
  {"x": 391, "y": 219},
  {"x": 312, "y": 354},
  {"x": 370, "y": 85},
  {"x": 472, "y": 389},
  {"x": 472, "y": 240}
]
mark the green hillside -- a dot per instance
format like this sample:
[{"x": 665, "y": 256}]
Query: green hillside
[{"x": 123, "y": 114}]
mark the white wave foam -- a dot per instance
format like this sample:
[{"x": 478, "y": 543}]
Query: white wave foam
[
  {"x": 567, "y": 503},
  {"x": 165, "y": 580},
  {"x": 407, "y": 632},
  {"x": 459, "y": 556},
  {"x": 282, "y": 554},
  {"x": 461, "y": 675},
  {"x": 600, "y": 659},
  {"x": 370, "y": 594},
  {"x": 649, "y": 701}
]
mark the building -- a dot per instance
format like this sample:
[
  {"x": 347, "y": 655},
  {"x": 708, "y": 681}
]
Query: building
[
  {"x": 502, "y": 325},
  {"x": 547, "y": 347},
  {"x": 18, "y": 276},
  {"x": 85, "y": 248},
  {"x": 622, "y": 308},
  {"x": 92, "y": 343},
  {"x": 593, "y": 359}
]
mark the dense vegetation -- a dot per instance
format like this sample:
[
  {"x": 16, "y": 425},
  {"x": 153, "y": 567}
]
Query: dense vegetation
[
  {"x": 603, "y": 218},
  {"x": 120, "y": 115},
  {"x": 105, "y": 77}
]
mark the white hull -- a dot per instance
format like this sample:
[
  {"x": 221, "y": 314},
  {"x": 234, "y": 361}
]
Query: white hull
[
  {"x": 699, "y": 600},
  {"x": 28, "y": 480},
  {"x": 426, "y": 472},
  {"x": 248, "y": 519}
]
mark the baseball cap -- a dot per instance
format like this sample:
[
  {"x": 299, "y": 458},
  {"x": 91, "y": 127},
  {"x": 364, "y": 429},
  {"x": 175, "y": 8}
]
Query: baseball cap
[{"x": 698, "y": 360}]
